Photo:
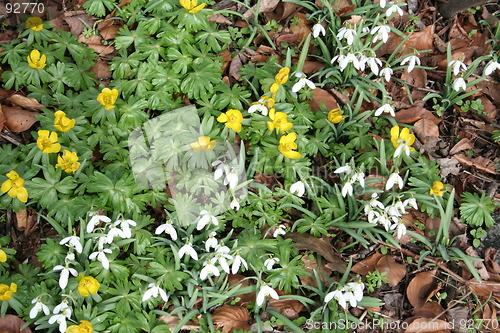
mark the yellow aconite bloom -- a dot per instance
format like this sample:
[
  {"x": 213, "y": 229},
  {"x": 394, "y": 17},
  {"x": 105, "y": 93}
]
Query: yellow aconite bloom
[
  {"x": 6, "y": 291},
  {"x": 335, "y": 116},
  {"x": 279, "y": 122},
  {"x": 68, "y": 161},
  {"x": 3, "y": 256},
  {"x": 436, "y": 189},
  {"x": 232, "y": 118},
  {"x": 282, "y": 76},
  {"x": 108, "y": 97},
  {"x": 402, "y": 140},
  {"x": 63, "y": 123},
  {"x": 84, "y": 327},
  {"x": 34, "y": 23},
  {"x": 14, "y": 187},
  {"x": 203, "y": 143},
  {"x": 192, "y": 5},
  {"x": 47, "y": 142},
  {"x": 287, "y": 145},
  {"x": 88, "y": 285},
  {"x": 37, "y": 60}
]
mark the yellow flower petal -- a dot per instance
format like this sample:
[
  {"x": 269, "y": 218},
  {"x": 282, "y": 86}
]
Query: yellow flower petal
[
  {"x": 34, "y": 23},
  {"x": 3, "y": 256}
]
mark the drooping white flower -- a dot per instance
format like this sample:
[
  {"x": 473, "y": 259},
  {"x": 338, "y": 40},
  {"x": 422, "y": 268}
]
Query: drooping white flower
[
  {"x": 303, "y": 81},
  {"x": 269, "y": 263},
  {"x": 222, "y": 258},
  {"x": 205, "y": 218},
  {"x": 64, "y": 276},
  {"x": 95, "y": 220},
  {"x": 264, "y": 291},
  {"x": 346, "y": 168},
  {"x": 373, "y": 216},
  {"x": 491, "y": 67},
  {"x": 459, "y": 84},
  {"x": 153, "y": 291},
  {"x": 167, "y": 228},
  {"x": 125, "y": 225},
  {"x": 298, "y": 188},
  {"x": 338, "y": 58},
  {"x": 231, "y": 179},
  {"x": 114, "y": 231},
  {"x": 101, "y": 256},
  {"x": 38, "y": 307},
  {"x": 258, "y": 107},
  {"x": 386, "y": 73},
  {"x": 373, "y": 62},
  {"x": 382, "y": 3},
  {"x": 401, "y": 229},
  {"x": 219, "y": 171},
  {"x": 237, "y": 261},
  {"x": 280, "y": 230},
  {"x": 209, "y": 268},
  {"x": 354, "y": 292},
  {"x": 348, "y": 34},
  {"x": 349, "y": 59},
  {"x": 385, "y": 108},
  {"x": 318, "y": 29},
  {"x": 61, "y": 313},
  {"x": 211, "y": 241},
  {"x": 188, "y": 248},
  {"x": 347, "y": 189},
  {"x": 73, "y": 242},
  {"x": 394, "y": 178},
  {"x": 457, "y": 66},
  {"x": 381, "y": 32},
  {"x": 337, "y": 295},
  {"x": 411, "y": 202},
  {"x": 393, "y": 9},
  {"x": 412, "y": 60},
  {"x": 234, "y": 205}
]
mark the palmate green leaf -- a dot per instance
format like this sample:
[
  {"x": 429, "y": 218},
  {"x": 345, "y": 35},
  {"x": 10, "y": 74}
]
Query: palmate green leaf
[
  {"x": 171, "y": 278},
  {"x": 181, "y": 60},
  {"x": 476, "y": 210},
  {"x": 199, "y": 83},
  {"x": 79, "y": 77},
  {"x": 59, "y": 79},
  {"x": 13, "y": 78},
  {"x": 213, "y": 37},
  {"x": 287, "y": 274},
  {"x": 132, "y": 114},
  {"x": 231, "y": 97},
  {"x": 127, "y": 37},
  {"x": 14, "y": 53},
  {"x": 98, "y": 7}
]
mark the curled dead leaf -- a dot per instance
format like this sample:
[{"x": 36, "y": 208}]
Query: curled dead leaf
[
  {"x": 421, "y": 288},
  {"x": 481, "y": 163},
  {"x": 426, "y": 128},
  {"x": 430, "y": 310},
  {"x": 367, "y": 265},
  {"x": 11, "y": 323},
  {"x": 25, "y": 102},
  {"x": 485, "y": 288},
  {"x": 394, "y": 272},
  {"x": 463, "y": 144},
  {"x": 18, "y": 120},
  {"x": 290, "y": 308},
  {"x": 228, "y": 318}
]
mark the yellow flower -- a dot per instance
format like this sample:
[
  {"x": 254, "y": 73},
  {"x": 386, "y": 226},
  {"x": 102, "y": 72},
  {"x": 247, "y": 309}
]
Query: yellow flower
[
  {"x": 203, "y": 143},
  {"x": 436, "y": 189},
  {"x": 47, "y": 142},
  {"x": 68, "y": 161},
  {"x": 6, "y": 291},
  {"x": 282, "y": 76},
  {"x": 287, "y": 145},
  {"x": 279, "y": 122},
  {"x": 84, "y": 327},
  {"x": 14, "y": 187},
  {"x": 34, "y": 23},
  {"x": 335, "y": 116},
  {"x": 37, "y": 60},
  {"x": 402, "y": 140},
  {"x": 192, "y": 5},
  {"x": 108, "y": 97},
  {"x": 63, "y": 123},
  {"x": 232, "y": 118},
  {"x": 3, "y": 256},
  {"x": 88, "y": 285}
]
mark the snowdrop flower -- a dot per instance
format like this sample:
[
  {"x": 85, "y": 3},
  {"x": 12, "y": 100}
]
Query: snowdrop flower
[
  {"x": 235, "y": 205},
  {"x": 348, "y": 34},
  {"x": 457, "y": 66},
  {"x": 394, "y": 178},
  {"x": 258, "y": 107},
  {"x": 394, "y": 8},
  {"x": 280, "y": 230},
  {"x": 491, "y": 67},
  {"x": 386, "y": 73},
  {"x": 346, "y": 168},
  {"x": 384, "y": 220},
  {"x": 211, "y": 241},
  {"x": 73, "y": 242},
  {"x": 338, "y": 295},
  {"x": 61, "y": 313},
  {"x": 205, "y": 218},
  {"x": 238, "y": 260},
  {"x": 269, "y": 263},
  {"x": 385, "y": 108},
  {"x": 65, "y": 271},
  {"x": 349, "y": 59},
  {"x": 222, "y": 248},
  {"x": 95, "y": 220},
  {"x": 411, "y": 202},
  {"x": 101, "y": 256},
  {"x": 125, "y": 224},
  {"x": 188, "y": 248},
  {"x": 347, "y": 189},
  {"x": 153, "y": 291},
  {"x": 338, "y": 58},
  {"x": 220, "y": 167},
  {"x": 374, "y": 64},
  {"x": 360, "y": 177},
  {"x": 39, "y": 306},
  {"x": 373, "y": 216},
  {"x": 168, "y": 228},
  {"x": 302, "y": 82},
  {"x": 209, "y": 268},
  {"x": 413, "y": 60},
  {"x": 381, "y": 32},
  {"x": 264, "y": 291},
  {"x": 231, "y": 179},
  {"x": 401, "y": 229},
  {"x": 382, "y": 3},
  {"x": 354, "y": 292},
  {"x": 318, "y": 29},
  {"x": 222, "y": 259},
  {"x": 114, "y": 231},
  {"x": 298, "y": 188},
  {"x": 373, "y": 203},
  {"x": 459, "y": 83}
]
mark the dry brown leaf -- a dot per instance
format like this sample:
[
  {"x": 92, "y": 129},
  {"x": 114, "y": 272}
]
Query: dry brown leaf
[
  {"x": 311, "y": 67},
  {"x": 479, "y": 265},
  {"x": 420, "y": 288},
  {"x": 266, "y": 6},
  {"x": 220, "y": 19},
  {"x": 18, "y": 120},
  {"x": 302, "y": 28},
  {"x": 430, "y": 310},
  {"x": 367, "y": 265},
  {"x": 234, "y": 68},
  {"x": 426, "y": 128},
  {"x": 417, "y": 77},
  {"x": 411, "y": 115},
  {"x": 290, "y": 308},
  {"x": 422, "y": 325},
  {"x": 75, "y": 23},
  {"x": 311, "y": 266},
  {"x": 11, "y": 323},
  {"x": 110, "y": 31},
  {"x": 394, "y": 272},
  {"x": 479, "y": 162},
  {"x": 25, "y": 102},
  {"x": 489, "y": 108},
  {"x": 101, "y": 69},
  {"x": 95, "y": 43},
  {"x": 463, "y": 144},
  {"x": 21, "y": 220},
  {"x": 2, "y": 119},
  {"x": 490, "y": 261},
  {"x": 322, "y": 96},
  {"x": 485, "y": 288},
  {"x": 228, "y": 317},
  {"x": 490, "y": 322}
]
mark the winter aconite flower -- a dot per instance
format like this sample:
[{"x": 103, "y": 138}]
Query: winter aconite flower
[
  {"x": 265, "y": 291},
  {"x": 63, "y": 123},
  {"x": 402, "y": 140},
  {"x": 280, "y": 78},
  {"x": 203, "y": 143},
  {"x": 7, "y": 291},
  {"x": 287, "y": 146},
  {"x": 68, "y": 161},
  {"x": 14, "y": 187},
  {"x": 37, "y": 60},
  {"x": 436, "y": 189},
  {"x": 3, "y": 256},
  {"x": 108, "y": 98},
  {"x": 84, "y": 327},
  {"x": 335, "y": 116},
  {"x": 279, "y": 122},
  {"x": 34, "y": 23},
  {"x": 88, "y": 285},
  {"x": 232, "y": 119},
  {"x": 192, "y": 5},
  {"x": 47, "y": 142}
]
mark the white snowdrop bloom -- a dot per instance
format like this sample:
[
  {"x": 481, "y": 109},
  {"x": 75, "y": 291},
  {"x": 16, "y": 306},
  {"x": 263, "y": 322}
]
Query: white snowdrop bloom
[
  {"x": 412, "y": 60},
  {"x": 360, "y": 177},
  {"x": 298, "y": 188},
  {"x": 234, "y": 205},
  {"x": 387, "y": 108},
  {"x": 64, "y": 276},
  {"x": 457, "y": 66},
  {"x": 269, "y": 263},
  {"x": 237, "y": 262},
  {"x": 382, "y": 3},
  {"x": 349, "y": 59},
  {"x": 346, "y": 168},
  {"x": 347, "y": 189},
  {"x": 401, "y": 229},
  {"x": 459, "y": 84},
  {"x": 386, "y": 73},
  {"x": 222, "y": 249},
  {"x": 258, "y": 107},
  {"x": 394, "y": 178},
  {"x": 381, "y": 32},
  {"x": 211, "y": 241},
  {"x": 348, "y": 34},
  {"x": 231, "y": 179},
  {"x": 280, "y": 230},
  {"x": 125, "y": 225},
  {"x": 393, "y": 9},
  {"x": 61, "y": 312},
  {"x": 337, "y": 295},
  {"x": 373, "y": 216},
  {"x": 317, "y": 30},
  {"x": 491, "y": 67},
  {"x": 219, "y": 171},
  {"x": 205, "y": 218},
  {"x": 303, "y": 81},
  {"x": 95, "y": 220},
  {"x": 38, "y": 307},
  {"x": 373, "y": 203},
  {"x": 339, "y": 58},
  {"x": 153, "y": 291},
  {"x": 264, "y": 291},
  {"x": 384, "y": 220},
  {"x": 374, "y": 64},
  {"x": 73, "y": 242},
  {"x": 101, "y": 256},
  {"x": 222, "y": 258},
  {"x": 188, "y": 248},
  {"x": 354, "y": 292},
  {"x": 113, "y": 232},
  {"x": 209, "y": 268},
  {"x": 167, "y": 228},
  {"x": 412, "y": 202}
]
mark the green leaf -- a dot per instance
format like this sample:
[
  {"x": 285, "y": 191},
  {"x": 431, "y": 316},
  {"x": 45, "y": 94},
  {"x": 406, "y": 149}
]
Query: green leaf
[{"x": 476, "y": 210}]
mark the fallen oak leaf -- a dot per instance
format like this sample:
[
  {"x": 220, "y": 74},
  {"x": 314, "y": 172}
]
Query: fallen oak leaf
[
  {"x": 10, "y": 323},
  {"x": 426, "y": 128},
  {"x": 229, "y": 317},
  {"x": 394, "y": 272},
  {"x": 367, "y": 265},
  {"x": 25, "y": 102},
  {"x": 18, "y": 120},
  {"x": 479, "y": 162}
]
